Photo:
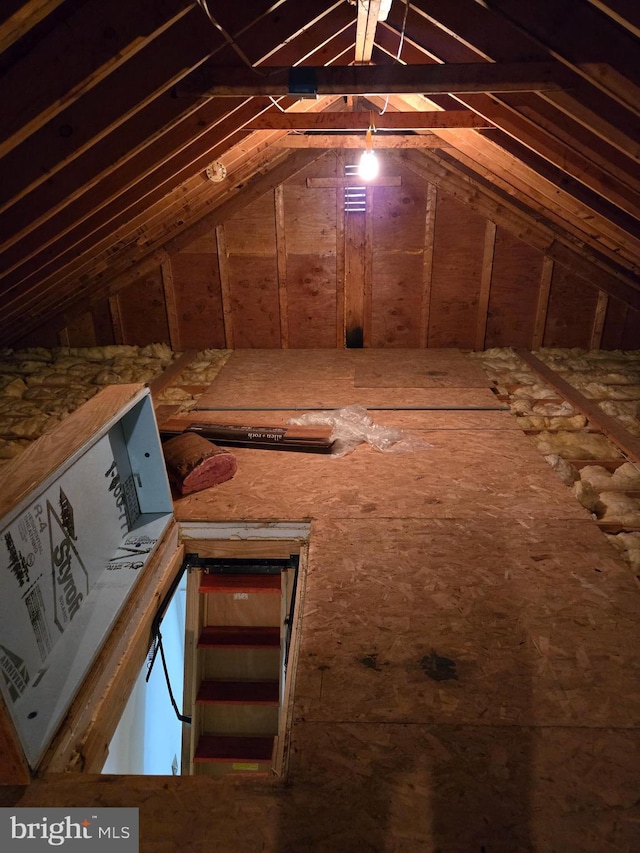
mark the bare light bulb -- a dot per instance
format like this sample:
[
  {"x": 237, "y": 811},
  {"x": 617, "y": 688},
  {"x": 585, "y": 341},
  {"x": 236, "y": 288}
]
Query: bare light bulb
[{"x": 368, "y": 168}]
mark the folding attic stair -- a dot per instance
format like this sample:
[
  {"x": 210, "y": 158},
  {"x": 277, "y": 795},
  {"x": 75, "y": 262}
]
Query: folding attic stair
[{"x": 239, "y": 670}]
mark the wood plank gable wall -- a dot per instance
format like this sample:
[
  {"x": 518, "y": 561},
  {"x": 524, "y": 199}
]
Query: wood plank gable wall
[{"x": 427, "y": 265}]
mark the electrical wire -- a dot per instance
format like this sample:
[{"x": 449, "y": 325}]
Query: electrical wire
[
  {"x": 205, "y": 8},
  {"x": 276, "y": 104},
  {"x": 400, "y": 46},
  {"x": 157, "y": 647}
]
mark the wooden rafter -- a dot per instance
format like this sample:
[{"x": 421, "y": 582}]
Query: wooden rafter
[
  {"x": 592, "y": 34},
  {"x": 367, "y": 21},
  {"x": 21, "y": 17},
  {"x": 112, "y": 102},
  {"x": 626, "y": 13},
  {"x": 102, "y": 166},
  {"x": 30, "y": 97}
]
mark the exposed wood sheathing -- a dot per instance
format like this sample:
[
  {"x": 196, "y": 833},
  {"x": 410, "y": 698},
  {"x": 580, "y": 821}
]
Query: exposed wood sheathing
[
  {"x": 468, "y": 639},
  {"x": 417, "y": 269},
  {"x": 522, "y": 128}
]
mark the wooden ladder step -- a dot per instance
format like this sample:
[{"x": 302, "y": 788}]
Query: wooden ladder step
[
  {"x": 239, "y": 637},
  {"x": 266, "y": 583},
  {"x": 234, "y": 748},
  {"x": 239, "y": 693}
]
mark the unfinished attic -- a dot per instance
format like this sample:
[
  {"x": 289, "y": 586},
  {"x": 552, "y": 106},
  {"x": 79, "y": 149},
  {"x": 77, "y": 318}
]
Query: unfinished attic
[{"x": 391, "y": 603}]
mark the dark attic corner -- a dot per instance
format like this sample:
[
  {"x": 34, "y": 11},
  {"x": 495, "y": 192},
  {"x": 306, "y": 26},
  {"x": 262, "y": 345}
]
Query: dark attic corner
[{"x": 319, "y": 426}]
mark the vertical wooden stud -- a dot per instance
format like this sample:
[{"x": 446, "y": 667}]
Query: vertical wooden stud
[
  {"x": 173, "y": 320},
  {"x": 543, "y": 303},
  {"x": 427, "y": 263},
  {"x": 485, "y": 285},
  {"x": 191, "y": 676},
  {"x": 367, "y": 262},
  {"x": 116, "y": 319},
  {"x": 354, "y": 280},
  {"x": 281, "y": 249},
  {"x": 341, "y": 323},
  {"x": 598, "y": 320},
  {"x": 225, "y": 287}
]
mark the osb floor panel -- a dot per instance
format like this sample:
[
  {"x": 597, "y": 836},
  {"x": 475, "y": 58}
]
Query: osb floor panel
[
  {"x": 330, "y": 378},
  {"x": 367, "y": 368},
  {"x": 325, "y": 393},
  {"x": 468, "y": 670},
  {"x": 464, "y": 473},
  {"x": 401, "y": 419},
  {"x": 428, "y": 368},
  {"x": 531, "y": 625}
]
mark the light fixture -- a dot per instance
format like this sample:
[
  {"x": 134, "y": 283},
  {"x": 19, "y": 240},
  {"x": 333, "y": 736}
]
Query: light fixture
[
  {"x": 216, "y": 171},
  {"x": 385, "y": 6},
  {"x": 369, "y": 166}
]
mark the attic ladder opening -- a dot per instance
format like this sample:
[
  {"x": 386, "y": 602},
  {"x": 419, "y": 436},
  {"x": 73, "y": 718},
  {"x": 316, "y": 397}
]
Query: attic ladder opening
[
  {"x": 244, "y": 609},
  {"x": 228, "y": 628}
]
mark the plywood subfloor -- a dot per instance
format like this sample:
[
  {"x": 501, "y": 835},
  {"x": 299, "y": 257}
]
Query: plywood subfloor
[
  {"x": 427, "y": 368},
  {"x": 530, "y": 616},
  {"x": 329, "y": 378},
  {"x": 403, "y": 419},
  {"x": 328, "y": 393},
  {"x": 468, "y": 665},
  {"x": 463, "y": 473}
]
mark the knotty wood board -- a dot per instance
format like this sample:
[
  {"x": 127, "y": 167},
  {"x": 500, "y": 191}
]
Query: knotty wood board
[
  {"x": 81, "y": 331},
  {"x": 277, "y": 365},
  {"x": 310, "y": 217},
  {"x": 397, "y": 250},
  {"x": 252, "y": 231},
  {"x": 396, "y": 298},
  {"x": 398, "y": 213},
  {"x": 612, "y": 332}
]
